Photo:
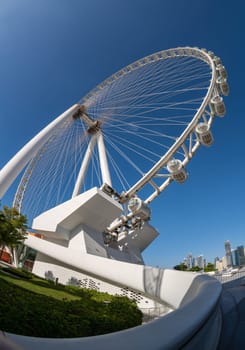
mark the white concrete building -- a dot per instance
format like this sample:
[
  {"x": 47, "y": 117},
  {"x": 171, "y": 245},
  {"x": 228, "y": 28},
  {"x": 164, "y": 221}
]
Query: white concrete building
[{"x": 72, "y": 248}]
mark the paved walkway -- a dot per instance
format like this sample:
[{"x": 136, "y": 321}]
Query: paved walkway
[{"x": 233, "y": 311}]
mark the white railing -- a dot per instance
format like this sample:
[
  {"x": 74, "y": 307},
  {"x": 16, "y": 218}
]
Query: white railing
[{"x": 228, "y": 277}]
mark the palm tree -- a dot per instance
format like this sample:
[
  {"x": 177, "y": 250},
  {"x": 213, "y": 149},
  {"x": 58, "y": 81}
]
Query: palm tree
[{"x": 13, "y": 226}]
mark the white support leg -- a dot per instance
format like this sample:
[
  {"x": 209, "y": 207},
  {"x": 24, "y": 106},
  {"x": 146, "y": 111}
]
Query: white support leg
[
  {"x": 12, "y": 169},
  {"x": 84, "y": 166},
  {"x": 106, "y": 178}
]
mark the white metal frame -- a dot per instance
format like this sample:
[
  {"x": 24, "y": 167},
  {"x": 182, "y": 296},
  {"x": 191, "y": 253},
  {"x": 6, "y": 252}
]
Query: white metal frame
[
  {"x": 13, "y": 168},
  {"x": 148, "y": 178}
]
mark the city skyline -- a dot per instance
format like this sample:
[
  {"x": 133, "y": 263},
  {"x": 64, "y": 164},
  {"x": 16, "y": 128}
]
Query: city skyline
[
  {"x": 234, "y": 256},
  {"x": 53, "y": 54}
]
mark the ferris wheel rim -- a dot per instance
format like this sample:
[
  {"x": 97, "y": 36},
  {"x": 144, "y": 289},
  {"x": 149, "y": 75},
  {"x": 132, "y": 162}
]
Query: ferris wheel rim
[{"x": 163, "y": 54}]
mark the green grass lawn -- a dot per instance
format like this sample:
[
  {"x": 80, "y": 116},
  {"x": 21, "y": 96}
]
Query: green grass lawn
[
  {"x": 36, "y": 307},
  {"x": 41, "y": 286}
]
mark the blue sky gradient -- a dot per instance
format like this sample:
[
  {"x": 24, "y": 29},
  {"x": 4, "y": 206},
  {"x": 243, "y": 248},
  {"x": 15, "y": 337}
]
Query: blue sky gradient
[{"x": 53, "y": 52}]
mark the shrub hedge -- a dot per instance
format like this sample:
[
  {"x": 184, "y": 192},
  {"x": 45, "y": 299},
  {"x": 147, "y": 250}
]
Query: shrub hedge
[
  {"x": 27, "y": 313},
  {"x": 17, "y": 272}
]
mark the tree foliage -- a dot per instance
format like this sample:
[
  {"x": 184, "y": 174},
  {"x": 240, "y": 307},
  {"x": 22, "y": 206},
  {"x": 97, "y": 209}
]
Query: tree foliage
[
  {"x": 195, "y": 269},
  {"x": 181, "y": 267},
  {"x": 210, "y": 267},
  {"x": 13, "y": 227}
]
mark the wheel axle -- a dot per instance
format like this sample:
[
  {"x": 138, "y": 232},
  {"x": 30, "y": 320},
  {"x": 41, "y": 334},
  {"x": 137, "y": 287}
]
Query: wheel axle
[{"x": 93, "y": 125}]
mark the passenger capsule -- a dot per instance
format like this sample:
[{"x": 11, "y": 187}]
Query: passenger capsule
[
  {"x": 211, "y": 54},
  {"x": 221, "y": 71},
  {"x": 204, "y": 134},
  {"x": 177, "y": 171},
  {"x": 139, "y": 208},
  {"x": 217, "y": 60},
  {"x": 223, "y": 86},
  {"x": 218, "y": 106}
]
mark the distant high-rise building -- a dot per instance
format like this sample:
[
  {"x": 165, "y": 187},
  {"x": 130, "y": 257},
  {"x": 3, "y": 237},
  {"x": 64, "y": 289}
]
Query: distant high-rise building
[
  {"x": 224, "y": 262},
  {"x": 227, "y": 247},
  {"x": 241, "y": 254},
  {"x": 216, "y": 259},
  {"x": 219, "y": 264},
  {"x": 240, "y": 250},
  {"x": 235, "y": 258},
  {"x": 228, "y": 253},
  {"x": 200, "y": 261},
  {"x": 189, "y": 261}
]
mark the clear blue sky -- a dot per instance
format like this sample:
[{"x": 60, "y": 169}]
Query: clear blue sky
[{"x": 53, "y": 52}]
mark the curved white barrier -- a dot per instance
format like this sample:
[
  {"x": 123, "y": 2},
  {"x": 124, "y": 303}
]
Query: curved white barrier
[
  {"x": 169, "y": 286},
  {"x": 195, "y": 324}
]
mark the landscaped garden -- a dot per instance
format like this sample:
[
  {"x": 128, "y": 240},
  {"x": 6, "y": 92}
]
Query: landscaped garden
[{"x": 37, "y": 307}]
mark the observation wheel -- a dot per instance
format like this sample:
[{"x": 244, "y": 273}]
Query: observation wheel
[{"x": 132, "y": 135}]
